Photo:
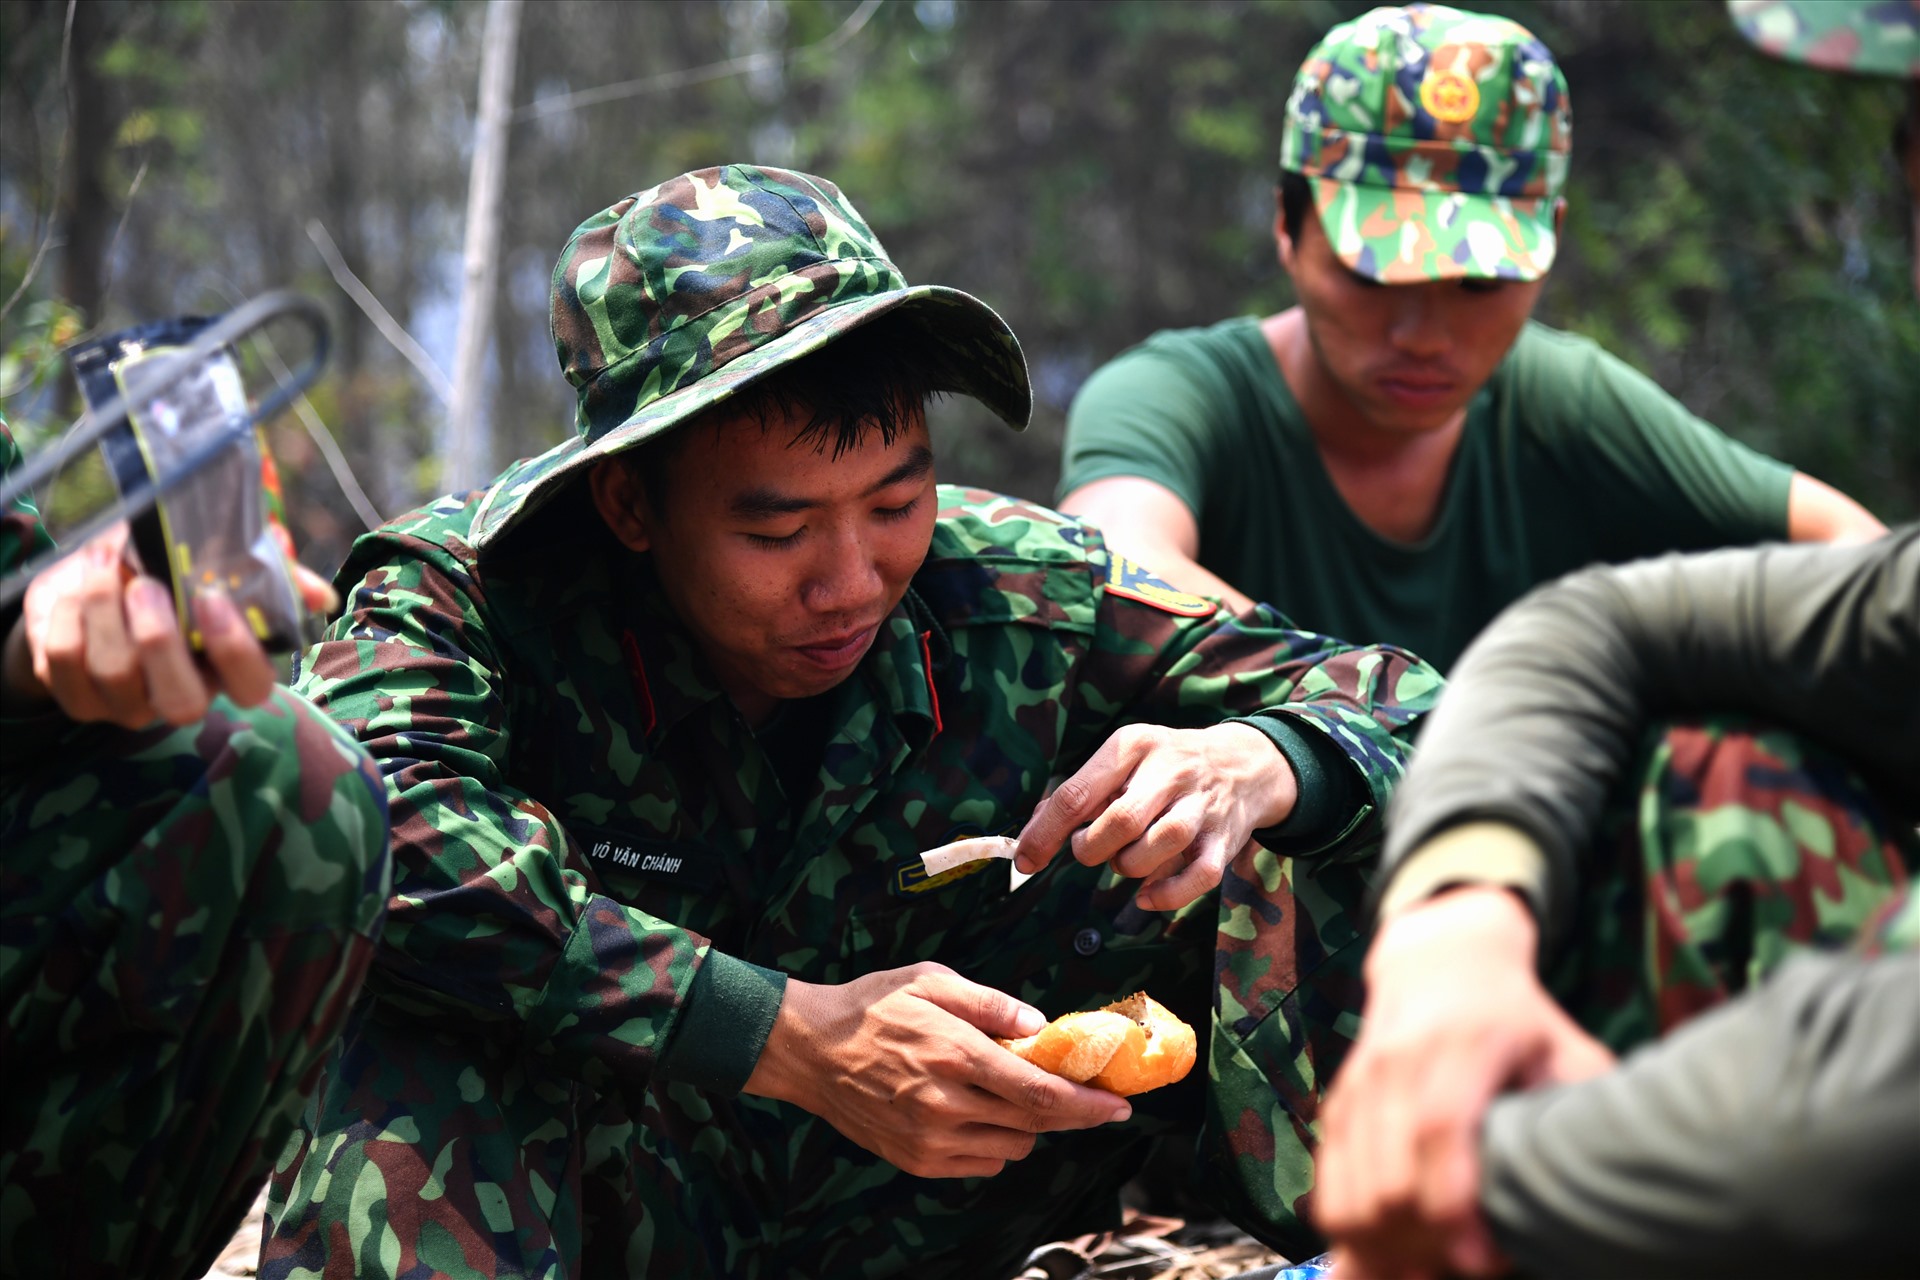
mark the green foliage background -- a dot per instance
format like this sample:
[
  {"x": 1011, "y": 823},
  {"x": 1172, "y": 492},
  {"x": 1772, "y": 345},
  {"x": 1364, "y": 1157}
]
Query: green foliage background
[{"x": 1095, "y": 171}]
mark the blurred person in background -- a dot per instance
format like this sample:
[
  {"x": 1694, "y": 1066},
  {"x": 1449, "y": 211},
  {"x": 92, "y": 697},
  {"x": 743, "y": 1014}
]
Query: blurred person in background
[{"x": 1403, "y": 453}]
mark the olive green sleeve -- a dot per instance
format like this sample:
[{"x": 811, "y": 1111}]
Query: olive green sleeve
[{"x": 728, "y": 1013}]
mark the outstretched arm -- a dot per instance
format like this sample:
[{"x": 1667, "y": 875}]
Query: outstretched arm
[
  {"x": 1818, "y": 512},
  {"x": 1196, "y": 731},
  {"x": 1147, "y": 522},
  {"x": 1816, "y": 639}
]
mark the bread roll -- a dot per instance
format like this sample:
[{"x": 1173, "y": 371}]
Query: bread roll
[{"x": 1129, "y": 1047}]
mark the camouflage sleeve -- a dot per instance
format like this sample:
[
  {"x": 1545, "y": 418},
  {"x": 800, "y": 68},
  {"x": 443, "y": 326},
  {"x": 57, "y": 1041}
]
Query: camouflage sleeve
[
  {"x": 1344, "y": 715},
  {"x": 494, "y": 923}
]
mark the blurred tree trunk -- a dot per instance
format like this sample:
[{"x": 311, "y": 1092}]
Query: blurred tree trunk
[
  {"x": 345, "y": 155},
  {"x": 343, "y": 195},
  {"x": 469, "y": 457},
  {"x": 86, "y": 215}
]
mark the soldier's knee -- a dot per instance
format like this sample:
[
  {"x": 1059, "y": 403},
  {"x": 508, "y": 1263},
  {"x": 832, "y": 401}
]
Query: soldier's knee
[
  {"x": 1776, "y": 826},
  {"x": 1736, "y": 764},
  {"x": 304, "y": 807}
]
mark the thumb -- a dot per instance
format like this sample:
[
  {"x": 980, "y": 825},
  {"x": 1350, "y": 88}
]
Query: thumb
[{"x": 1574, "y": 1056}]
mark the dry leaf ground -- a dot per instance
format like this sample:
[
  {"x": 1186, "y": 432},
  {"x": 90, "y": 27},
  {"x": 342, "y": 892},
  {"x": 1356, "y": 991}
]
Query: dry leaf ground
[{"x": 1145, "y": 1248}]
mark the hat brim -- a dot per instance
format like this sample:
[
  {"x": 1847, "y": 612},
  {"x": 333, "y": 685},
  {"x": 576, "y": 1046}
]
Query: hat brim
[
  {"x": 1398, "y": 236},
  {"x": 987, "y": 365}
]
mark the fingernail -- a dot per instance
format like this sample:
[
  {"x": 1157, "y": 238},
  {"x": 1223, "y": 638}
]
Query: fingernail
[
  {"x": 215, "y": 611},
  {"x": 1121, "y": 1112},
  {"x": 151, "y": 596},
  {"x": 1028, "y": 1020}
]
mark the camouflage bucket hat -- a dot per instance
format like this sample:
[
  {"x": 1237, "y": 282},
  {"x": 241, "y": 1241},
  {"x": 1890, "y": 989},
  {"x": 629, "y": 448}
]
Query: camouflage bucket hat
[
  {"x": 1866, "y": 37},
  {"x": 673, "y": 299},
  {"x": 1436, "y": 142}
]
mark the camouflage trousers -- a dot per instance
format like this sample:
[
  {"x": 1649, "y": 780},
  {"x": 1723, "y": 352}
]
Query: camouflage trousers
[
  {"x": 185, "y": 917},
  {"x": 1727, "y": 847}
]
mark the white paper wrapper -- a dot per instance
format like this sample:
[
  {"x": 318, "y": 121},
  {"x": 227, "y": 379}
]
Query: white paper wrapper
[{"x": 960, "y": 852}]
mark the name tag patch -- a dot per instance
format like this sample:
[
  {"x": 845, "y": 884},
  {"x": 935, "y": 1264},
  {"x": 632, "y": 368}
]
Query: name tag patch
[
  {"x": 914, "y": 879},
  {"x": 676, "y": 863}
]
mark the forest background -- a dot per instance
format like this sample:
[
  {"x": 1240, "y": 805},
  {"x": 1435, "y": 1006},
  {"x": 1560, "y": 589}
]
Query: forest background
[{"x": 1094, "y": 171}]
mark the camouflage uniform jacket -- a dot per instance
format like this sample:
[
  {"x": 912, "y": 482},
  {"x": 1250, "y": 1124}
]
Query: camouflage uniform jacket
[{"x": 593, "y": 854}]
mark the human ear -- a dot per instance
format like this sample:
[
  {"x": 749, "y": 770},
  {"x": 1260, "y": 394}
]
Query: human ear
[
  {"x": 1559, "y": 217},
  {"x": 621, "y": 503},
  {"x": 1282, "y": 241}
]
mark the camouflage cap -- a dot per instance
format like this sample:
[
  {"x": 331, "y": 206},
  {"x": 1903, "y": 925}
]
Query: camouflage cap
[
  {"x": 673, "y": 299},
  {"x": 1436, "y": 142},
  {"x": 1867, "y": 37}
]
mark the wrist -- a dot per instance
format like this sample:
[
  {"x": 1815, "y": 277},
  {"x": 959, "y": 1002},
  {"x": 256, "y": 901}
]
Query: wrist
[
  {"x": 1480, "y": 923},
  {"x": 782, "y": 1070},
  {"x": 1266, "y": 775}
]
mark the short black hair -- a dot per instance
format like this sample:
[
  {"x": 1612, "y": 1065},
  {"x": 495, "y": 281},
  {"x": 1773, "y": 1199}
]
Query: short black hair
[
  {"x": 1296, "y": 197},
  {"x": 878, "y": 377}
]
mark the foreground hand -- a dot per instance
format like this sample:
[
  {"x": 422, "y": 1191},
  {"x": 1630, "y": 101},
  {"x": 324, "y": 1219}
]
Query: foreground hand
[
  {"x": 1454, "y": 1016},
  {"x": 1170, "y": 806},
  {"x": 903, "y": 1063},
  {"x": 104, "y": 644}
]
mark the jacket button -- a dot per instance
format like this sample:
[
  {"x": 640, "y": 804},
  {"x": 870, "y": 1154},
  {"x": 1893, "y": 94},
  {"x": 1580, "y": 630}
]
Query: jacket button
[{"x": 1087, "y": 941}]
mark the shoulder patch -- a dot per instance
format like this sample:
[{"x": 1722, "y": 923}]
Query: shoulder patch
[{"x": 1133, "y": 582}]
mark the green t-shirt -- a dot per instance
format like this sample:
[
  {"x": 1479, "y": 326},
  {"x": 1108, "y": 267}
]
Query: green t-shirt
[{"x": 1568, "y": 457}]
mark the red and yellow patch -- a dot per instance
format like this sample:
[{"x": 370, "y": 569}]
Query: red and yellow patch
[
  {"x": 1130, "y": 581},
  {"x": 1449, "y": 96}
]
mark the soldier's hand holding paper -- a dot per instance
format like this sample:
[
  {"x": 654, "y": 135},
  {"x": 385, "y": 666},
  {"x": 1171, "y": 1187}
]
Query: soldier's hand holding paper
[{"x": 1169, "y": 806}]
